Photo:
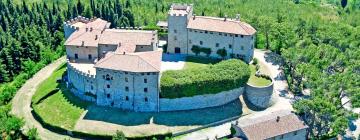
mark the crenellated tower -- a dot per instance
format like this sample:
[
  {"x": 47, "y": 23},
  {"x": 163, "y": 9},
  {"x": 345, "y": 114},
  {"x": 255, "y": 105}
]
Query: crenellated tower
[{"x": 178, "y": 18}]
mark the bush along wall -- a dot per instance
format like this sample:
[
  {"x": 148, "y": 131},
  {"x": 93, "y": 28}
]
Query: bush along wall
[{"x": 223, "y": 76}]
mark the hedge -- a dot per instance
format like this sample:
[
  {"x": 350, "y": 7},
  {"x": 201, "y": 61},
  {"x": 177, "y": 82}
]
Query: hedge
[{"x": 223, "y": 76}]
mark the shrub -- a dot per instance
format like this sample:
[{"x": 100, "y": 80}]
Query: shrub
[
  {"x": 255, "y": 61},
  {"x": 223, "y": 76},
  {"x": 222, "y": 53},
  {"x": 195, "y": 49}
]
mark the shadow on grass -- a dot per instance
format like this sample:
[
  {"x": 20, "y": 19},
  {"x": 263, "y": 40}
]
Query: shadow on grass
[
  {"x": 174, "y": 118},
  {"x": 202, "y": 60}
]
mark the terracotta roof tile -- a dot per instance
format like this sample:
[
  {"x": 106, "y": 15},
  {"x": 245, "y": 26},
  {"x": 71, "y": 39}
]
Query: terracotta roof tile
[
  {"x": 133, "y": 62},
  {"x": 220, "y": 25},
  {"x": 267, "y": 126},
  {"x": 138, "y": 37}
]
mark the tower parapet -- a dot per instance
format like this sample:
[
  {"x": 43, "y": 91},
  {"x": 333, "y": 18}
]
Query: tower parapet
[{"x": 70, "y": 25}]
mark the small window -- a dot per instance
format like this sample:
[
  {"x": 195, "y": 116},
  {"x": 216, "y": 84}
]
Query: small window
[
  {"x": 127, "y": 98},
  {"x": 282, "y": 137},
  {"x": 126, "y": 88},
  {"x": 154, "y": 73},
  {"x": 126, "y": 73},
  {"x": 242, "y": 36},
  {"x": 108, "y": 95},
  {"x": 145, "y": 89},
  {"x": 225, "y": 34},
  {"x": 108, "y": 86},
  {"x": 90, "y": 56},
  {"x": 142, "y": 73},
  {"x": 175, "y": 38},
  {"x": 190, "y": 30},
  {"x": 91, "y": 87},
  {"x": 175, "y": 31},
  {"x": 211, "y": 32},
  {"x": 76, "y": 56},
  {"x": 148, "y": 73},
  {"x": 236, "y": 35},
  {"x": 107, "y": 77},
  {"x": 295, "y": 133},
  {"x": 217, "y": 44},
  {"x": 231, "y": 35},
  {"x": 206, "y": 32},
  {"x": 242, "y": 47},
  {"x": 220, "y": 33},
  {"x": 145, "y": 80},
  {"x": 146, "y": 99},
  {"x": 126, "y": 79},
  {"x": 201, "y": 43},
  {"x": 195, "y": 31},
  {"x": 230, "y": 46}
]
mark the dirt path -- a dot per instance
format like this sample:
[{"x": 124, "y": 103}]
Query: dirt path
[{"x": 21, "y": 101}]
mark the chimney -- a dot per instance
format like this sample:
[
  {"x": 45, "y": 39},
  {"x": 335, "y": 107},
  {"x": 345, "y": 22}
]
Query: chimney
[
  {"x": 82, "y": 43},
  {"x": 237, "y": 17},
  {"x": 77, "y": 28},
  {"x": 124, "y": 53},
  {"x": 91, "y": 28},
  {"x": 225, "y": 18},
  {"x": 277, "y": 118},
  {"x": 194, "y": 16},
  {"x": 87, "y": 29},
  {"x": 96, "y": 37}
]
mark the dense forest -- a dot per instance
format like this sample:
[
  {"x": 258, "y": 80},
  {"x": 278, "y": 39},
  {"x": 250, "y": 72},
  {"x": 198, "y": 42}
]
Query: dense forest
[{"x": 318, "y": 41}]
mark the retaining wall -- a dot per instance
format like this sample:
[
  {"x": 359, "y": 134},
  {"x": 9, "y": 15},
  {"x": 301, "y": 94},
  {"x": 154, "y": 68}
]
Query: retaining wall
[
  {"x": 259, "y": 96},
  {"x": 200, "y": 101}
]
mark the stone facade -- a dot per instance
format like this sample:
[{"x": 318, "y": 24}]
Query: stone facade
[
  {"x": 131, "y": 87},
  {"x": 200, "y": 101},
  {"x": 181, "y": 37},
  {"x": 128, "y": 90}
]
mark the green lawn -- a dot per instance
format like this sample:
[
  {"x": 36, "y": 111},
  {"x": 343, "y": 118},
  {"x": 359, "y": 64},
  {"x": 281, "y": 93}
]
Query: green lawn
[
  {"x": 49, "y": 84},
  {"x": 257, "y": 81},
  {"x": 196, "y": 62},
  {"x": 62, "y": 109}
]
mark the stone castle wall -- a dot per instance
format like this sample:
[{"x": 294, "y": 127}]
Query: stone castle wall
[
  {"x": 238, "y": 46},
  {"x": 81, "y": 82},
  {"x": 200, "y": 101},
  {"x": 259, "y": 96},
  {"x": 127, "y": 90}
]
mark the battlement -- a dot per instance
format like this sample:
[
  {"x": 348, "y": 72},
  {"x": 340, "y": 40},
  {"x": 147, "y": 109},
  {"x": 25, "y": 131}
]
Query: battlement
[
  {"x": 78, "y": 71},
  {"x": 73, "y": 23},
  {"x": 180, "y": 9}
]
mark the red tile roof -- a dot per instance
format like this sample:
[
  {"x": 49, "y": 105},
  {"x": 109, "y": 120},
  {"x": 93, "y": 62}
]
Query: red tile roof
[
  {"x": 133, "y": 62},
  {"x": 268, "y": 126},
  {"x": 220, "y": 25}
]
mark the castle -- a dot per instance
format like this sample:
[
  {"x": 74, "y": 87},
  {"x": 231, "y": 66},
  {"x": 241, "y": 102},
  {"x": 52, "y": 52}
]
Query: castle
[
  {"x": 186, "y": 30},
  {"x": 122, "y": 67}
]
